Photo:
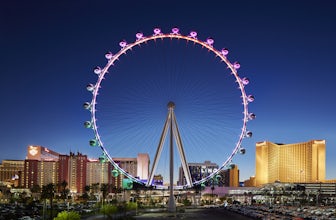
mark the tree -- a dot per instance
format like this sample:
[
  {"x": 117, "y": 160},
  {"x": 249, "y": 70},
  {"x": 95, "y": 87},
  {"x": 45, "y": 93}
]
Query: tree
[
  {"x": 87, "y": 189},
  {"x": 250, "y": 194},
  {"x": 116, "y": 190},
  {"x": 23, "y": 197},
  {"x": 104, "y": 188},
  {"x": 7, "y": 193},
  {"x": 85, "y": 195},
  {"x": 64, "y": 190},
  {"x": 35, "y": 189},
  {"x": 95, "y": 187},
  {"x": 48, "y": 192}
]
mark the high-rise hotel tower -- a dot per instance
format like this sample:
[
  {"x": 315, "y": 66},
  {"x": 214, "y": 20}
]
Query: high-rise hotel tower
[{"x": 300, "y": 162}]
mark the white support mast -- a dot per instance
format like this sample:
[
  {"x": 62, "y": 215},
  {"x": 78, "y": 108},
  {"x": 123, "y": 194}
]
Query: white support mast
[{"x": 171, "y": 124}]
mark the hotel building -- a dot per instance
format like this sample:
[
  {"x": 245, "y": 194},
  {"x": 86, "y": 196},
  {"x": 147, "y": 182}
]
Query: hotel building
[
  {"x": 137, "y": 167},
  {"x": 143, "y": 166},
  {"x": 40, "y": 167},
  {"x": 98, "y": 172},
  {"x": 43, "y": 166},
  {"x": 198, "y": 171},
  {"x": 230, "y": 177},
  {"x": 11, "y": 172},
  {"x": 251, "y": 182},
  {"x": 72, "y": 169},
  {"x": 300, "y": 162}
]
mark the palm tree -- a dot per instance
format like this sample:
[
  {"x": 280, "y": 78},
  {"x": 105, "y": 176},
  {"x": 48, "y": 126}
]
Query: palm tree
[
  {"x": 115, "y": 191},
  {"x": 85, "y": 195},
  {"x": 48, "y": 192},
  {"x": 23, "y": 197},
  {"x": 64, "y": 190},
  {"x": 36, "y": 190},
  {"x": 250, "y": 194},
  {"x": 245, "y": 197},
  {"x": 104, "y": 188},
  {"x": 95, "y": 187},
  {"x": 87, "y": 189}
]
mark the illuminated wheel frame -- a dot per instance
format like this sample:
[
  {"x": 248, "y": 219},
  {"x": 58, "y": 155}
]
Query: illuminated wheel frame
[{"x": 175, "y": 34}]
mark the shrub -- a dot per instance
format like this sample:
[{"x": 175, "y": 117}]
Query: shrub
[
  {"x": 131, "y": 206},
  {"x": 65, "y": 215},
  {"x": 109, "y": 209}
]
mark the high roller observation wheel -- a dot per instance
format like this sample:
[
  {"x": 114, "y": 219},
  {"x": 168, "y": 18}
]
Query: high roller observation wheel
[{"x": 174, "y": 34}]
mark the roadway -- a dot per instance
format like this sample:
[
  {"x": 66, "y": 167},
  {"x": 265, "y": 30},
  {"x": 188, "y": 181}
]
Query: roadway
[{"x": 192, "y": 214}]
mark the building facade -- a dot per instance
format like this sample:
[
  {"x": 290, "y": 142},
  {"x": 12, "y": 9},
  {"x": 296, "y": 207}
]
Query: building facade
[
  {"x": 47, "y": 172},
  {"x": 40, "y": 167},
  {"x": 137, "y": 167},
  {"x": 251, "y": 182},
  {"x": 11, "y": 171},
  {"x": 41, "y": 153},
  {"x": 301, "y": 162},
  {"x": 230, "y": 177},
  {"x": 39, "y": 173},
  {"x": 143, "y": 166},
  {"x": 198, "y": 171},
  {"x": 43, "y": 166},
  {"x": 98, "y": 172},
  {"x": 72, "y": 169},
  {"x": 30, "y": 173}
]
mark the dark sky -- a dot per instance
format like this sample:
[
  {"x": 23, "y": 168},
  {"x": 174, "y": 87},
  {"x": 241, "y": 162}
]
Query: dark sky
[{"x": 49, "y": 48}]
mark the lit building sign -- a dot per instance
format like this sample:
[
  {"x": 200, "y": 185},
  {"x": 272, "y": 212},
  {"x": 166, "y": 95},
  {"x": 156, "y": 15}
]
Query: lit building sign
[{"x": 33, "y": 151}]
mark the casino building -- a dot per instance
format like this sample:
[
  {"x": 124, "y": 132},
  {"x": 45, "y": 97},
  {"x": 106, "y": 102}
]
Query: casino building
[
  {"x": 43, "y": 166},
  {"x": 11, "y": 171},
  {"x": 40, "y": 167},
  {"x": 298, "y": 163},
  {"x": 198, "y": 171}
]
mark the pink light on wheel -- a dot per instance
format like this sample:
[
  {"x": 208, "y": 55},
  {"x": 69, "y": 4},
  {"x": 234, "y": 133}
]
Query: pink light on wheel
[
  {"x": 108, "y": 55},
  {"x": 245, "y": 81},
  {"x": 236, "y": 65},
  {"x": 225, "y": 51},
  {"x": 193, "y": 34},
  {"x": 210, "y": 41},
  {"x": 139, "y": 35},
  {"x": 175, "y": 30},
  {"x": 250, "y": 98},
  {"x": 157, "y": 31},
  {"x": 123, "y": 44}
]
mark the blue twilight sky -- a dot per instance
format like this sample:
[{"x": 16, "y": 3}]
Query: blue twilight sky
[{"x": 48, "y": 50}]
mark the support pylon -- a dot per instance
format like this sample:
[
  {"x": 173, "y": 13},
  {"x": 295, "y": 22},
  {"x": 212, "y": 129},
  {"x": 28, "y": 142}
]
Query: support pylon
[{"x": 171, "y": 124}]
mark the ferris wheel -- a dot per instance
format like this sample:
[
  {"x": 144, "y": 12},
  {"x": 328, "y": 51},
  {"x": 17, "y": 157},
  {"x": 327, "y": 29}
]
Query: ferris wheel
[{"x": 170, "y": 125}]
